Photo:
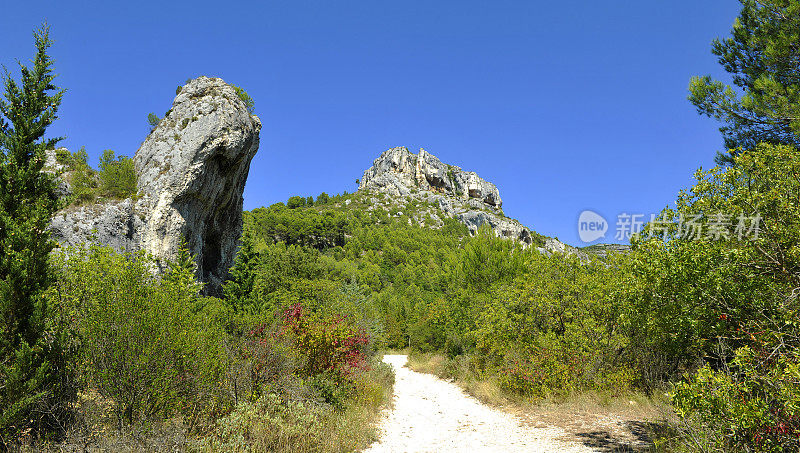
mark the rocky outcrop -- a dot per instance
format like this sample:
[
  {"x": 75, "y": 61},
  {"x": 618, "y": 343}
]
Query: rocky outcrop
[
  {"x": 117, "y": 224},
  {"x": 454, "y": 193},
  {"x": 441, "y": 190},
  {"x": 606, "y": 250},
  {"x": 397, "y": 171},
  {"x": 191, "y": 170}
]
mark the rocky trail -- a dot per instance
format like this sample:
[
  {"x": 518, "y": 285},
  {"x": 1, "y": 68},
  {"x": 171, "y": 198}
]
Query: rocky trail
[{"x": 432, "y": 415}]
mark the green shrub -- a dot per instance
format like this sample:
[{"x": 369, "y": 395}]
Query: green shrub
[
  {"x": 83, "y": 179},
  {"x": 151, "y": 345},
  {"x": 248, "y": 101},
  {"x": 328, "y": 387},
  {"x": 153, "y": 120},
  {"x": 555, "y": 330},
  {"x": 271, "y": 423},
  {"x": 295, "y": 202},
  {"x": 727, "y": 307},
  {"x": 117, "y": 175},
  {"x": 329, "y": 345},
  {"x": 754, "y": 406},
  {"x": 300, "y": 422},
  {"x": 63, "y": 156},
  {"x": 115, "y": 179}
]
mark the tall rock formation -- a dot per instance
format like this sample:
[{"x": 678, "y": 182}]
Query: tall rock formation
[
  {"x": 397, "y": 171},
  {"x": 191, "y": 170},
  {"x": 451, "y": 192},
  {"x": 457, "y": 193}
]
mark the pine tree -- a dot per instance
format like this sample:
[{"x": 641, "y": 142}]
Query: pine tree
[
  {"x": 241, "y": 282},
  {"x": 763, "y": 57},
  {"x": 32, "y": 363}
]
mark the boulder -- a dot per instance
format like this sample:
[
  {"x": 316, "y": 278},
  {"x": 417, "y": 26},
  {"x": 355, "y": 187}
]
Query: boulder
[{"x": 191, "y": 170}]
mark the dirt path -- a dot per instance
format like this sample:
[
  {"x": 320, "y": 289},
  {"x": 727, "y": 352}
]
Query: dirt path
[{"x": 431, "y": 415}]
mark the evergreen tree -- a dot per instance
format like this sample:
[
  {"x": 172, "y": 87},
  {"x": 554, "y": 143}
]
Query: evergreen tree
[
  {"x": 763, "y": 57},
  {"x": 295, "y": 202},
  {"x": 238, "y": 288},
  {"x": 32, "y": 363},
  {"x": 153, "y": 120}
]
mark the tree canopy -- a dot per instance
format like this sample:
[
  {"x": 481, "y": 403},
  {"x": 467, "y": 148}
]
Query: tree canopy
[{"x": 763, "y": 57}]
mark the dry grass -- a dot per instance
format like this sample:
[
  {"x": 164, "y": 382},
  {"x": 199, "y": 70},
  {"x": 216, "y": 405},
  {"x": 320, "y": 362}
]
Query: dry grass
[
  {"x": 281, "y": 425},
  {"x": 269, "y": 425},
  {"x": 356, "y": 427},
  {"x": 628, "y": 421},
  {"x": 427, "y": 363}
]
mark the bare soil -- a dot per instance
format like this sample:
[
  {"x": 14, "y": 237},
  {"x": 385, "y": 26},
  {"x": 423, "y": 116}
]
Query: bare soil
[{"x": 433, "y": 415}]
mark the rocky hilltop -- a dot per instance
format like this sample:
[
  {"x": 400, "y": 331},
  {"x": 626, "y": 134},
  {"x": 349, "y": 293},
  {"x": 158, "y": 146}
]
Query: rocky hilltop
[
  {"x": 397, "y": 171},
  {"x": 191, "y": 171},
  {"x": 459, "y": 194}
]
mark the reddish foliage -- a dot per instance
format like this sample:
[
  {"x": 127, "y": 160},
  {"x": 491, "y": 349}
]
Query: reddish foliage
[{"x": 331, "y": 345}]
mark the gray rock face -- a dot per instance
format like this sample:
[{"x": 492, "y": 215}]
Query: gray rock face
[
  {"x": 458, "y": 194},
  {"x": 117, "y": 224},
  {"x": 503, "y": 227},
  {"x": 398, "y": 170},
  {"x": 52, "y": 166},
  {"x": 606, "y": 250},
  {"x": 191, "y": 170},
  {"x": 450, "y": 192}
]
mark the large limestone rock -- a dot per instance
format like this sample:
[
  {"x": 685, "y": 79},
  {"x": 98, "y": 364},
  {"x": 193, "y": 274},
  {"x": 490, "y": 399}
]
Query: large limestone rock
[
  {"x": 191, "y": 170},
  {"x": 456, "y": 193},
  {"x": 450, "y": 192},
  {"x": 398, "y": 170}
]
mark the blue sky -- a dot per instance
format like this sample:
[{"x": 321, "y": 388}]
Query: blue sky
[{"x": 566, "y": 106}]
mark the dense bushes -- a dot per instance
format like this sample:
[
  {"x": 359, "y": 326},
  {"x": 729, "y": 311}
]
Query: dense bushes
[
  {"x": 153, "y": 346},
  {"x": 149, "y": 349},
  {"x": 117, "y": 175},
  {"x": 732, "y": 305},
  {"x": 276, "y": 421},
  {"x": 519, "y": 313},
  {"x": 555, "y": 330}
]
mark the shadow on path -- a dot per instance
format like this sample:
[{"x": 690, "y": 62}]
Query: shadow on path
[{"x": 639, "y": 438}]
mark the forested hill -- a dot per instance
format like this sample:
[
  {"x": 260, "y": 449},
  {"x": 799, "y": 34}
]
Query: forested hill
[
  {"x": 417, "y": 232},
  {"x": 400, "y": 187}
]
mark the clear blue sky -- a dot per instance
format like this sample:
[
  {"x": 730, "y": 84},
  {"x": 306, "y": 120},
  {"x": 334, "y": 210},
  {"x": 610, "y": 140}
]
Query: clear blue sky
[{"x": 566, "y": 106}]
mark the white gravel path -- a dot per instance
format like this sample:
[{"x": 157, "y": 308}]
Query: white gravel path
[{"x": 431, "y": 415}]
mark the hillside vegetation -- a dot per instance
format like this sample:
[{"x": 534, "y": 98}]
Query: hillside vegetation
[
  {"x": 98, "y": 351},
  {"x": 711, "y": 321}
]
